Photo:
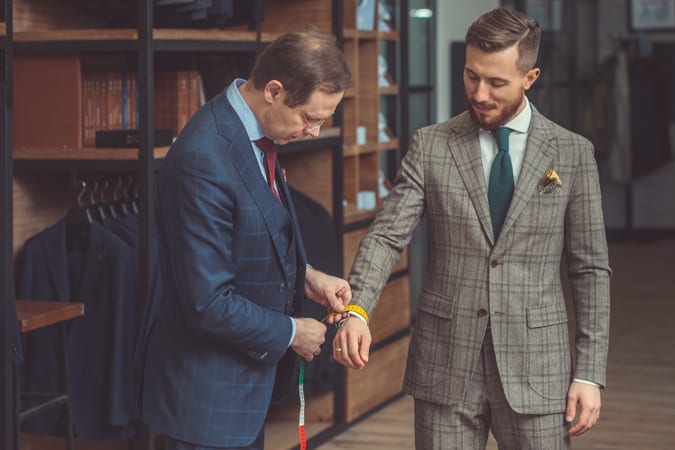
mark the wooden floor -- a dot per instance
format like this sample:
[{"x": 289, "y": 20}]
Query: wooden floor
[
  {"x": 638, "y": 410},
  {"x": 638, "y": 406}
]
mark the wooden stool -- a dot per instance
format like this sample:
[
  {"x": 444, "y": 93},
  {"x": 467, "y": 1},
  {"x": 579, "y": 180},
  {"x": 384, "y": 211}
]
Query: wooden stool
[{"x": 34, "y": 315}]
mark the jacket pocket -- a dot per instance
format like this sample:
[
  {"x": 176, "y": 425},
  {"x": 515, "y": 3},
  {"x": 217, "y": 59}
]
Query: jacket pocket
[
  {"x": 430, "y": 349},
  {"x": 549, "y": 365}
]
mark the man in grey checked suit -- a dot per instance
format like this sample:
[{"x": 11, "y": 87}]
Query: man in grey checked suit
[{"x": 490, "y": 347}]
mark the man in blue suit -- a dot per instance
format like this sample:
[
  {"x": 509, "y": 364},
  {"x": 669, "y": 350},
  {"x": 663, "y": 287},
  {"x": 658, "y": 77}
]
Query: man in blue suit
[{"x": 232, "y": 267}]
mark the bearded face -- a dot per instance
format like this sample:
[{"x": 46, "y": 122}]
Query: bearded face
[{"x": 494, "y": 87}]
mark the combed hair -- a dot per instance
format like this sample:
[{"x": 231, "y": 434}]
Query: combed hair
[
  {"x": 502, "y": 28},
  {"x": 302, "y": 61}
]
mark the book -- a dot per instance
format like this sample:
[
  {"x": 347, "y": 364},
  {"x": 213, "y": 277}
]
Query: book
[{"x": 47, "y": 93}]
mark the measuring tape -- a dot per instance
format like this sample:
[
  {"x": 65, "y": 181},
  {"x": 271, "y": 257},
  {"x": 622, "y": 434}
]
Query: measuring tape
[
  {"x": 362, "y": 314},
  {"x": 301, "y": 393}
]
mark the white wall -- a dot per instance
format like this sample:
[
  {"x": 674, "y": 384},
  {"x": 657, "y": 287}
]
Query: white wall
[{"x": 453, "y": 19}]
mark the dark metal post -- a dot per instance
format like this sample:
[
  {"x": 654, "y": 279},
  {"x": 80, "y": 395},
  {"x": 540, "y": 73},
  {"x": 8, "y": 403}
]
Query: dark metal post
[
  {"x": 146, "y": 159},
  {"x": 7, "y": 321},
  {"x": 338, "y": 211}
]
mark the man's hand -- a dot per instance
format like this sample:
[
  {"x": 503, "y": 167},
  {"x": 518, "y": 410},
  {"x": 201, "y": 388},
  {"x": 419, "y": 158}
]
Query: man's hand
[
  {"x": 327, "y": 290},
  {"x": 351, "y": 345},
  {"x": 309, "y": 335},
  {"x": 587, "y": 397}
]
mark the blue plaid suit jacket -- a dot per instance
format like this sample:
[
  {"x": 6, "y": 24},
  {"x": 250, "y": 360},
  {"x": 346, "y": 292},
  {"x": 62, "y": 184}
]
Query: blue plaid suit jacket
[{"x": 231, "y": 268}]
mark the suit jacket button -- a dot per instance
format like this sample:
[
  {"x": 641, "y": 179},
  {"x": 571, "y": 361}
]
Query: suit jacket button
[
  {"x": 482, "y": 312},
  {"x": 282, "y": 287},
  {"x": 496, "y": 263}
]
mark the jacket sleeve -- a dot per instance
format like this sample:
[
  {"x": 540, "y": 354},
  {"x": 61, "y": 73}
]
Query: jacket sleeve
[{"x": 588, "y": 269}]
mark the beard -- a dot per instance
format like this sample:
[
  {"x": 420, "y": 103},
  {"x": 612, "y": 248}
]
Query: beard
[{"x": 507, "y": 113}]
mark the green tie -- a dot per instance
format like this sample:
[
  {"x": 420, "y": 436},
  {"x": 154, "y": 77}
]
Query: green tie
[{"x": 500, "y": 187}]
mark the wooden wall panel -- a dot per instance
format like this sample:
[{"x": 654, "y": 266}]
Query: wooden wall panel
[
  {"x": 311, "y": 173},
  {"x": 287, "y": 15},
  {"x": 376, "y": 383},
  {"x": 40, "y": 200},
  {"x": 44, "y": 15}
]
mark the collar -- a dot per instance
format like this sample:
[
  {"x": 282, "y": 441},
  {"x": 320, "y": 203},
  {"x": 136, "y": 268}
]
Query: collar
[{"x": 253, "y": 129}]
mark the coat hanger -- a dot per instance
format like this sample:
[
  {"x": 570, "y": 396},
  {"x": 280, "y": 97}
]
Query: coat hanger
[
  {"x": 78, "y": 223},
  {"x": 119, "y": 202},
  {"x": 107, "y": 206},
  {"x": 130, "y": 201},
  {"x": 80, "y": 213},
  {"x": 99, "y": 212}
]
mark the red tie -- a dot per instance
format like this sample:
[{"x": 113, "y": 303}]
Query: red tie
[{"x": 270, "y": 150}]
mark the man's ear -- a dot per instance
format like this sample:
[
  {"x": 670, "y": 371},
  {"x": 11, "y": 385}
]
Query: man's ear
[
  {"x": 530, "y": 77},
  {"x": 273, "y": 91}
]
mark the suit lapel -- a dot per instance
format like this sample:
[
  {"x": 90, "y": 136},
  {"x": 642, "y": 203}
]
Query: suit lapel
[
  {"x": 242, "y": 155},
  {"x": 295, "y": 226},
  {"x": 465, "y": 150},
  {"x": 537, "y": 160}
]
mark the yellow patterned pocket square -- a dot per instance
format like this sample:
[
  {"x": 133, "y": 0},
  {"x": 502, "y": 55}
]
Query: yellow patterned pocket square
[{"x": 551, "y": 183}]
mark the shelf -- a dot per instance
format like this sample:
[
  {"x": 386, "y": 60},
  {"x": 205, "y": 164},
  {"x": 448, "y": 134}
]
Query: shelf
[
  {"x": 388, "y": 35},
  {"x": 352, "y": 215},
  {"x": 388, "y": 90},
  {"x": 392, "y": 144},
  {"x": 328, "y": 137},
  {"x": 127, "y": 39},
  {"x": 351, "y": 33},
  {"x": 103, "y": 159}
]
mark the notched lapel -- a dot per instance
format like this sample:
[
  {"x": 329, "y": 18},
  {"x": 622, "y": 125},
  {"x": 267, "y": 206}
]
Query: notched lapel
[
  {"x": 465, "y": 149},
  {"x": 538, "y": 156},
  {"x": 240, "y": 149}
]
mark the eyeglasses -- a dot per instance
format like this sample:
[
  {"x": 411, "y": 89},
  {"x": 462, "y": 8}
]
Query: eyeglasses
[{"x": 313, "y": 125}]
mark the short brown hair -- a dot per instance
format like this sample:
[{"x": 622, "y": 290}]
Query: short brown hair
[
  {"x": 302, "y": 61},
  {"x": 502, "y": 28}
]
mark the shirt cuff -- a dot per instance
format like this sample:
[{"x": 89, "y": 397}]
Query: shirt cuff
[
  {"x": 592, "y": 383},
  {"x": 292, "y": 332}
]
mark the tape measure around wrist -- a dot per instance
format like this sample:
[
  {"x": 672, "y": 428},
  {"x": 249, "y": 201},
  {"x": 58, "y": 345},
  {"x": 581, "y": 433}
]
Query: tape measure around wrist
[{"x": 358, "y": 310}]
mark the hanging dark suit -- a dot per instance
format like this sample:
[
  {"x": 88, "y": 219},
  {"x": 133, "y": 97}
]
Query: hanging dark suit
[{"x": 97, "y": 273}]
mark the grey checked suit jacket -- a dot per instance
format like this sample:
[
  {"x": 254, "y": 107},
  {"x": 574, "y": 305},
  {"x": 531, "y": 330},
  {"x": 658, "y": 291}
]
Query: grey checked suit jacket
[{"x": 516, "y": 278}]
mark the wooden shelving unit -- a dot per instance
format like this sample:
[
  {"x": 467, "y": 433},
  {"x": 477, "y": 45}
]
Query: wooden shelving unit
[
  {"x": 331, "y": 169},
  {"x": 364, "y": 150}
]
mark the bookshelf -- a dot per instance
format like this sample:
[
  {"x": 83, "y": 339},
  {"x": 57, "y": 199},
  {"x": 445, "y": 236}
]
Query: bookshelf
[{"x": 333, "y": 169}]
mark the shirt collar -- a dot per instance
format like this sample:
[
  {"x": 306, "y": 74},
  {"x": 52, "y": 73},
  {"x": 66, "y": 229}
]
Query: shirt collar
[
  {"x": 521, "y": 123},
  {"x": 251, "y": 124}
]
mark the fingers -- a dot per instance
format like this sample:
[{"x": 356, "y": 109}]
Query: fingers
[
  {"x": 351, "y": 345},
  {"x": 587, "y": 419},
  {"x": 311, "y": 356},
  {"x": 587, "y": 398},
  {"x": 571, "y": 410},
  {"x": 345, "y": 295},
  {"x": 333, "y": 302},
  {"x": 309, "y": 336}
]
